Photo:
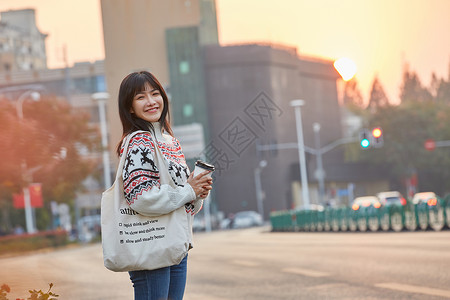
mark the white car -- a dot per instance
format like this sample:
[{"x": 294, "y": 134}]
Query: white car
[
  {"x": 366, "y": 201},
  {"x": 391, "y": 198},
  {"x": 245, "y": 219},
  {"x": 425, "y": 197}
]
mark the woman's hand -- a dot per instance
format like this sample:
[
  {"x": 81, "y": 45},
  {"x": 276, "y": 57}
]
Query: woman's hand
[{"x": 201, "y": 184}]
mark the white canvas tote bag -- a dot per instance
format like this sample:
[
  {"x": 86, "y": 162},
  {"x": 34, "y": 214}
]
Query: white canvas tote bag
[{"x": 132, "y": 241}]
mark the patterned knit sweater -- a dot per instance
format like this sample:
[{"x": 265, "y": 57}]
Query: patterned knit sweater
[{"x": 141, "y": 178}]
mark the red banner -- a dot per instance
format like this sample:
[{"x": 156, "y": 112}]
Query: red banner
[{"x": 35, "y": 197}]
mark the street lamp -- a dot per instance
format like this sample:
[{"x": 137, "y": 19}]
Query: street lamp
[
  {"x": 320, "y": 173},
  {"x": 29, "y": 220},
  {"x": 101, "y": 99},
  {"x": 35, "y": 96},
  {"x": 297, "y": 104},
  {"x": 259, "y": 194}
]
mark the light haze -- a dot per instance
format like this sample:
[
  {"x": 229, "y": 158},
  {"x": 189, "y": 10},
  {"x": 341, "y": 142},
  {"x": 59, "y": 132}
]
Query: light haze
[{"x": 379, "y": 35}]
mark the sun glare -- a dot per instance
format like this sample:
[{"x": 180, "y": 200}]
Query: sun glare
[{"x": 346, "y": 68}]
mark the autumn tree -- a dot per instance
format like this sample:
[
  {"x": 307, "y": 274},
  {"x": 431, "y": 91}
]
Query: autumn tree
[{"x": 48, "y": 141}]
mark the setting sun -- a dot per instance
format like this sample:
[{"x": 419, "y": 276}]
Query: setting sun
[{"x": 346, "y": 68}]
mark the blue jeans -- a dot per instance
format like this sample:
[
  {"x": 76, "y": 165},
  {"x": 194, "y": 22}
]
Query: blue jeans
[{"x": 161, "y": 284}]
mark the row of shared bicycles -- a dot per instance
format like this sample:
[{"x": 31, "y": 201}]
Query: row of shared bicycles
[{"x": 387, "y": 211}]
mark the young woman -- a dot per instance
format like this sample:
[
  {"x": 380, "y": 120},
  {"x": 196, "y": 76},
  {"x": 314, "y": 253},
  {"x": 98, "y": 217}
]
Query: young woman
[{"x": 143, "y": 105}]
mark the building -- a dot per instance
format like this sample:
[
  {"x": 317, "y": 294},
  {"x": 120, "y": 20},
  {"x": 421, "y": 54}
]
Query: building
[
  {"x": 22, "y": 45},
  {"x": 249, "y": 89},
  {"x": 165, "y": 38},
  {"x": 75, "y": 84}
]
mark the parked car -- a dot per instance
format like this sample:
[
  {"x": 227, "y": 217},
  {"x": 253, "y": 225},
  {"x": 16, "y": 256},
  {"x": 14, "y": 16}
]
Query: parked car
[
  {"x": 391, "y": 198},
  {"x": 425, "y": 197},
  {"x": 365, "y": 201},
  {"x": 89, "y": 227},
  {"x": 245, "y": 219}
]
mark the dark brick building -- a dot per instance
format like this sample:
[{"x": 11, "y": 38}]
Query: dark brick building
[{"x": 248, "y": 91}]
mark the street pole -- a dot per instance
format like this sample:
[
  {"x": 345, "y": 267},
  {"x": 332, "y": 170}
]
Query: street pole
[
  {"x": 259, "y": 195},
  {"x": 35, "y": 96},
  {"x": 29, "y": 220},
  {"x": 320, "y": 173},
  {"x": 101, "y": 99},
  {"x": 207, "y": 212},
  {"x": 207, "y": 205},
  {"x": 297, "y": 104}
]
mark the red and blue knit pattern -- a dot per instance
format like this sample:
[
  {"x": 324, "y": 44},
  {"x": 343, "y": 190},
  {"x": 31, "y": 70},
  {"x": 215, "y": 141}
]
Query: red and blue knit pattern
[{"x": 141, "y": 174}]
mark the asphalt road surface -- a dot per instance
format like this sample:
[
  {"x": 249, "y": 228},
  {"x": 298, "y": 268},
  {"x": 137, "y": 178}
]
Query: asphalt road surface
[{"x": 257, "y": 264}]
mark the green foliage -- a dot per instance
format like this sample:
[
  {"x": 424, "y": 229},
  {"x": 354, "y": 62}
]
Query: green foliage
[
  {"x": 34, "y": 294},
  {"x": 440, "y": 89},
  {"x": 378, "y": 97},
  {"x": 412, "y": 89},
  {"x": 406, "y": 128},
  {"x": 43, "y": 218},
  {"x": 424, "y": 113}
]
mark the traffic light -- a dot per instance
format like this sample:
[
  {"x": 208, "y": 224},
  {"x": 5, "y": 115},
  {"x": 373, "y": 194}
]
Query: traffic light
[
  {"x": 371, "y": 138},
  {"x": 364, "y": 138},
  {"x": 377, "y": 137}
]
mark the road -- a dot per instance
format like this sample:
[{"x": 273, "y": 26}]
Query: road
[{"x": 257, "y": 264}]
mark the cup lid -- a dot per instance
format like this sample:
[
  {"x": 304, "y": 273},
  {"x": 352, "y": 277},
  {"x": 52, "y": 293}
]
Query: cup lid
[{"x": 204, "y": 165}]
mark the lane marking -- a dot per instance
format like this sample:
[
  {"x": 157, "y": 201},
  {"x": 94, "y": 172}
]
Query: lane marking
[
  {"x": 245, "y": 263},
  {"x": 305, "y": 272},
  {"x": 415, "y": 289}
]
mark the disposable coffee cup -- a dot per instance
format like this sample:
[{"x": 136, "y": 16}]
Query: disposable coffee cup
[{"x": 201, "y": 166}]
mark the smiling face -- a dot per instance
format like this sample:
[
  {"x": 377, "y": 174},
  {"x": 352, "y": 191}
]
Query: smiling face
[{"x": 148, "y": 104}]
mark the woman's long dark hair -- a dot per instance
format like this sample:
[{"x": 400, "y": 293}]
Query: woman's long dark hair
[{"x": 131, "y": 85}]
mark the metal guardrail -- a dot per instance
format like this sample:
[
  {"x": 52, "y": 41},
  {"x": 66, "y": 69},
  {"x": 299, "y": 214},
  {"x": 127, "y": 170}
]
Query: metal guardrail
[{"x": 411, "y": 217}]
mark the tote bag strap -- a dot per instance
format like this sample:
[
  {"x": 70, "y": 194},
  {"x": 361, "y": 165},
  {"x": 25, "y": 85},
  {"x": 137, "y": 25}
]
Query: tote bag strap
[
  {"x": 161, "y": 163},
  {"x": 163, "y": 167}
]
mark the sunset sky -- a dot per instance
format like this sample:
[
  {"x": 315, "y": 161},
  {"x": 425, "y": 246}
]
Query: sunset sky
[{"x": 380, "y": 36}]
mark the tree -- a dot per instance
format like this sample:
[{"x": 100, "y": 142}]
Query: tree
[
  {"x": 352, "y": 94},
  {"x": 405, "y": 129},
  {"x": 424, "y": 113},
  {"x": 440, "y": 89},
  {"x": 412, "y": 89},
  {"x": 378, "y": 97},
  {"x": 10, "y": 173},
  {"x": 67, "y": 133},
  {"x": 48, "y": 141}
]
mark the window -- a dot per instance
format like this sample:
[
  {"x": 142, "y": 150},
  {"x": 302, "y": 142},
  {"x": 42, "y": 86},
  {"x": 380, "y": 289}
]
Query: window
[
  {"x": 188, "y": 110},
  {"x": 184, "y": 67}
]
